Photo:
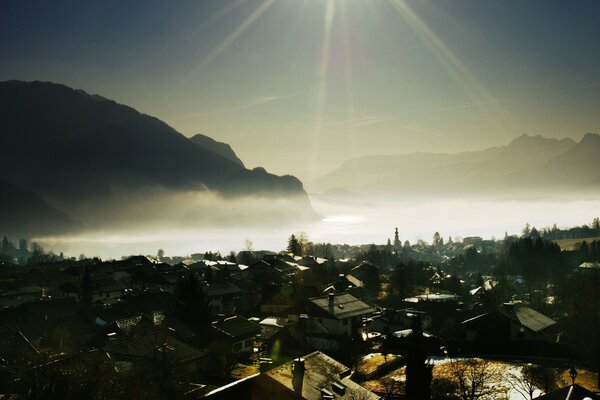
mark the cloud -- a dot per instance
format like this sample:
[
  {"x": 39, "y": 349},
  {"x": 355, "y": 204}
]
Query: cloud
[
  {"x": 360, "y": 121},
  {"x": 251, "y": 103},
  {"x": 472, "y": 104}
]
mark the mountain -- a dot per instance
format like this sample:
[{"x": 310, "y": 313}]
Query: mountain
[
  {"x": 220, "y": 148},
  {"x": 23, "y": 213},
  {"x": 72, "y": 149},
  {"x": 528, "y": 165}
]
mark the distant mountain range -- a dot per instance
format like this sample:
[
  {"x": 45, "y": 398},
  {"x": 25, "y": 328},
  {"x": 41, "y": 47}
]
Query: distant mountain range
[
  {"x": 529, "y": 166},
  {"x": 61, "y": 148}
]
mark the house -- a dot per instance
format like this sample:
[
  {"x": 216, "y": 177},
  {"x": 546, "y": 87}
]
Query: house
[
  {"x": 390, "y": 320},
  {"x": 572, "y": 392},
  {"x": 12, "y": 297},
  {"x": 258, "y": 386},
  {"x": 317, "y": 376},
  {"x": 511, "y": 322},
  {"x": 238, "y": 332},
  {"x": 270, "y": 326},
  {"x": 222, "y": 297},
  {"x": 444, "y": 308},
  {"x": 304, "y": 336},
  {"x": 142, "y": 280},
  {"x": 340, "y": 313},
  {"x": 106, "y": 291}
]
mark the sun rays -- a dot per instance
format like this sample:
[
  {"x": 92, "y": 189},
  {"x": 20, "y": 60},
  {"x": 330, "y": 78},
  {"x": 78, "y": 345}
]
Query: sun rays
[
  {"x": 227, "y": 41},
  {"x": 338, "y": 37},
  {"x": 322, "y": 70},
  {"x": 472, "y": 87}
]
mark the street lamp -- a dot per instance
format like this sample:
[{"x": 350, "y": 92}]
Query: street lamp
[{"x": 573, "y": 373}]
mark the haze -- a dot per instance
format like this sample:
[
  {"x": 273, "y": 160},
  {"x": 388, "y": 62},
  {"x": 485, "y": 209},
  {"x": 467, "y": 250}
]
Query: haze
[{"x": 301, "y": 87}]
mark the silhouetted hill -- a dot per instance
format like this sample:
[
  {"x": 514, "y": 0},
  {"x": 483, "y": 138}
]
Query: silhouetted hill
[
  {"x": 527, "y": 165},
  {"x": 69, "y": 148},
  {"x": 220, "y": 148}
]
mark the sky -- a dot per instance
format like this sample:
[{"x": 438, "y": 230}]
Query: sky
[{"x": 300, "y": 86}]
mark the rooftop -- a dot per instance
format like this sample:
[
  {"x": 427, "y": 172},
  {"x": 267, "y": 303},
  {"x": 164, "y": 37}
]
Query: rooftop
[
  {"x": 344, "y": 306},
  {"x": 322, "y": 374},
  {"x": 526, "y": 316},
  {"x": 237, "y": 327}
]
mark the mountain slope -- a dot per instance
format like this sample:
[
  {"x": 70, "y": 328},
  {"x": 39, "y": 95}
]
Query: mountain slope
[
  {"x": 73, "y": 149},
  {"x": 23, "y": 213},
  {"x": 220, "y": 148},
  {"x": 528, "y": 164}
]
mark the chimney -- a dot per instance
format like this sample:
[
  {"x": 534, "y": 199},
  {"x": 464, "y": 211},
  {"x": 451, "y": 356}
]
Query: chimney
[
  {"x": 303, "y": 322},
  {"x": 331, "y": 301},
  {"x": 298, "y": 375},
  {"x": 265, "y": 364}
]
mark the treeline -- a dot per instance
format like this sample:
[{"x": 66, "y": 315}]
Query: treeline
[
  {"x": 23, "y": 253},
  {"x": 555, "y": 233}
]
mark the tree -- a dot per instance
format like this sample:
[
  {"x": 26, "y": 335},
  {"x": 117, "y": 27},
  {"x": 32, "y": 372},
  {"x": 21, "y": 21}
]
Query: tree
[
  {"x": 437, "y": 239},
  {"x": 248, "y": 245},
  {"x": 526, "y": 230},
  {"x": 294, "y": 246},
  {"x": 474, "y": 378},
  {"x": 304, "y": 244},
  {"x": 398, "y": 279},
  {"x": 194, "y": 307},
  {"x": 532, "y": 379},
  {"x": 160, "y": 254},
  {"x": 418, "y": 371},
  {"x": 7, "y": 246},
  {"x": 372, "y": 278}
]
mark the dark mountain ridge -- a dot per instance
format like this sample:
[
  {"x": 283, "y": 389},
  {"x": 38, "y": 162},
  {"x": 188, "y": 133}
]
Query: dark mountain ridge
[
  {"x": 220, "y": 148},
  {"x": 68, "y": 147}
]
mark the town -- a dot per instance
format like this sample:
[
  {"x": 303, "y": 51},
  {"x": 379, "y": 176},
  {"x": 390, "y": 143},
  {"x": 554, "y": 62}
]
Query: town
[{"x": 462, "y": 318}]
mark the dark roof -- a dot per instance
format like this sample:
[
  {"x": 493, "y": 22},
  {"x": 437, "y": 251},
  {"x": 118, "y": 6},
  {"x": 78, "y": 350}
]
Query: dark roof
[
  {"x": 526, "y": 316},
  {"x": 219, "y": 289},
  {"x": 52, "y": 308},
  {"x": 259, "y": 386},
  {"x": 21, "y": 290},
  {"x": 321, "y": 372},
  {"x": 115, "y": 312},
  {"x": 98, "y": 286},
  {"x": 573, "y": 392},
  {"x": 158, "y": 300},
  {"x": 345, "y": 305},
  {"x": 237, "y": 327}
]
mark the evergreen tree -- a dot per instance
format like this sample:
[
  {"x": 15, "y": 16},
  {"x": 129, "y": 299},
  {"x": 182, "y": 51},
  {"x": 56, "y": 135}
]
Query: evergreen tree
[
  {"x": 437, "y": 239},
  {"x": 418, "y": 371},
  {"x": 194, "y": 307},
  {"x": 294, "y": 246}
]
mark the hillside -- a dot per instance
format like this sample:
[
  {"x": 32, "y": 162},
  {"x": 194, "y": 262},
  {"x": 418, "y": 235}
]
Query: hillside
[
  {"x": 72, "y": 149},
  {"x": 220, "y": 148}
]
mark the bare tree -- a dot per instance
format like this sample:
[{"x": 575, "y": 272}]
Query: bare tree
[
  {"x": 474, "y": 378},
  {"x": 533, "y": 378},
  {"x": 524, "y": 381}
]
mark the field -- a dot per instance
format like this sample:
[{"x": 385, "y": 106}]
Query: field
[{"x": 571, "y": 244}]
